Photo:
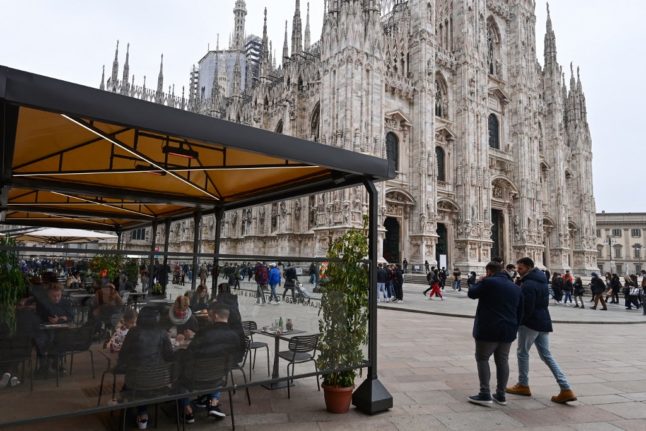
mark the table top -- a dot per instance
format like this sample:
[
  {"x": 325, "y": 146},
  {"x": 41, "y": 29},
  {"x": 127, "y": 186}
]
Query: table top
[
  {"x": 285, "y": 335},
  {"x": 54, "y": 326}
]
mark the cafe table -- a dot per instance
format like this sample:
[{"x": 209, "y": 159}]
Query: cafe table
[{"x": 277, "y": 335}]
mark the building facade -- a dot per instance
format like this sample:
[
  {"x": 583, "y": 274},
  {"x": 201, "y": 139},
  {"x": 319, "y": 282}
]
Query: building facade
[
  {"x": 621, "y": 242},
  {"x": 493, "y": 149}
]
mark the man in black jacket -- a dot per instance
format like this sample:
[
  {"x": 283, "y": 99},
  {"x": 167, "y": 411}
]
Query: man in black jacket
[
  {"x": 535, "y": 329},
  {"x": 500, "y": 306},
  {"x": 215, "y": 339},
  {"x": 598, "y": 287}
]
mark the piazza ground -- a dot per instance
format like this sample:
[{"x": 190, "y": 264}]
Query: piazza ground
[{"x": 427, "y": 362}]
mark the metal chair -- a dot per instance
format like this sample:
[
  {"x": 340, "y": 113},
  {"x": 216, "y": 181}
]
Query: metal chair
[
  {"x": 240, "y": 367},
  {"x": 249, "y": 327},
  {"x": 17, "y": 350},
  {"x": 70, "y": 342},
  {"x": 150, "y": 381},
  {"x": 302, "y": 348},
  {"x": 208, "y": 373}
]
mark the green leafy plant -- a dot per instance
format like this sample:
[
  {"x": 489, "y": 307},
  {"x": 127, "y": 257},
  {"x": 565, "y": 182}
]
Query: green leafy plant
[
  {"x": 12, "y": 283},
  {"x": 344, "y": 308},
  {"x": 131, "y": 269},
  {"x": 107, "y": 262}
]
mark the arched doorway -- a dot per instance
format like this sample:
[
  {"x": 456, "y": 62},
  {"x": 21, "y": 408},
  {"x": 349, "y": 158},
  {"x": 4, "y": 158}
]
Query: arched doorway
[
  {"x": 497, "y": 220},
  {"x": 392, "y": 239},
  {"x": 442, "y": 247}
]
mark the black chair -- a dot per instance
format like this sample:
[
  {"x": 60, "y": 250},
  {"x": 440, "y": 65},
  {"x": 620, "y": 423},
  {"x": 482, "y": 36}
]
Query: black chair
[
  {"x": 240, "y": 367},
  {"x": 249, "y": 326},
  {"x": 150, "y": 381},
  {"x": 302, "y": 348},
  {"x": 70, "y": 342},
  {"x": 208, "y": 373},
  {"x": 17, "y": 350}
]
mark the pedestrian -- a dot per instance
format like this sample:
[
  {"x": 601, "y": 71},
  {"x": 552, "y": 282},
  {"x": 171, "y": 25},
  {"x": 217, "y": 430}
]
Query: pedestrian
[
  {"x": 578, "y": 292},
  {"x": 398, "y": 283},
  {"x": 631, "y": 292},
  {"x": 443, "y": 276},
  {"x": 427, "y": 266},
  {"x": 535, "y": 330},
  {"x": 456, "y": 279},
  {"x": 274, "y": 281},
  {"x": 405, "y": 265},
  {"x": 598, "y": 287},
  {"x": 511, "y": 271},
  {"x": 557, "y": 287},
  {"x": 434, "y": 284},
  {"x": 381, "y": 283},
  {"x": 568, "y": 287},
  {"x": 498, "y": 316},
  {"x": 615, "y": 288},
  {"x": 471, "y": 281}
]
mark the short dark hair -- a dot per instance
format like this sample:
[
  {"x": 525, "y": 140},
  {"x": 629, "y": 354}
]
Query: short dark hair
[
  {"x": 511, "y": 266},
  {"x": 498, "y": 259},
  {"x": 220, "y": 309},
  {"x": 528, "y": 262},
  {"x": 494, "y": 267}
]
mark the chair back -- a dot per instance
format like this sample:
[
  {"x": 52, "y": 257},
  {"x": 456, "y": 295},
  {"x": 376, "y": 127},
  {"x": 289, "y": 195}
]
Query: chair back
[
  {"x": 248, "y": 326},
  {"x": 206, "y": 372},
  {"x": 74, "y": 340},
  {"x": 150, "y": 378},
  {"x": 303, "y": 343}
]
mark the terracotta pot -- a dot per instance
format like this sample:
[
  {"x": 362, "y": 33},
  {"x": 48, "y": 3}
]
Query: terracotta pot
[{"x": 337, "y": 399}]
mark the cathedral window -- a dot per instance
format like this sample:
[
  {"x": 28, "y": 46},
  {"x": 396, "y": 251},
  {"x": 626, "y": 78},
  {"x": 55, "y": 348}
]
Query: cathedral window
[
  {"x": 316, "y": 117},
  {"x": 441, "y": 98},
  {"x": 493, "y": 48},
  {"x": 312, "y": 212},
  {"x": 440, "y": 158},
  {"x": 392, "y": 148},
  {"x": 274, "y": 217},
  {"x": 494, "y": 132}
]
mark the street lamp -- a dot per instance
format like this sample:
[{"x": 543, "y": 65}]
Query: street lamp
[
  {"x": 610, "y": 244},
  {"x": 637, "y": 255}
]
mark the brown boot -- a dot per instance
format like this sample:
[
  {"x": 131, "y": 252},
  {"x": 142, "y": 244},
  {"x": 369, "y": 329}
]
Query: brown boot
[
  {"x": 565, "y": 396},
  {"x": 519, "y": 389}
]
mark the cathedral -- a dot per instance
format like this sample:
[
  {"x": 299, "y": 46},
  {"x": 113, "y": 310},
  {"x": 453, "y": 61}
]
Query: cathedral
[{"x": 493, "y": 149}]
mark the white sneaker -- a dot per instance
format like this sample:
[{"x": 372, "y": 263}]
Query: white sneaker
[
  {"x": 142, "y": 424},
  {"x": 4, "y": 381},
  {"x": 14, "y": 382}
]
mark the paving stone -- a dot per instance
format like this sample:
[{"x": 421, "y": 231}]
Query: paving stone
[
  {"x": 596, "y": 426},
  {"x": 482, "y": 421},
  {"x": 602, "y": 399},
  {"x": 632, "y": 410}
]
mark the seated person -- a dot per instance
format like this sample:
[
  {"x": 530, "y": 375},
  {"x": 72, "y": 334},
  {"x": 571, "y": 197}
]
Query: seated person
[
  {"x": 53, "y": 309},
  {"x": 73, "y": 281},
  {"x": 128, "y": 321},
  {"x": 216, "y": 338},
  {"x": 145, "y": 344},
  {"x": 182, "y": 319},
  {"x": 235, "y": 319},
  {"x": 107, "y": 303},
  {"x": 200, "y": 299}
]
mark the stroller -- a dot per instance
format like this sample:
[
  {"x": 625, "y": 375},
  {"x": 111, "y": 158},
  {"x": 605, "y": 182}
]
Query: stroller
[{"x": 302, "y": 295}]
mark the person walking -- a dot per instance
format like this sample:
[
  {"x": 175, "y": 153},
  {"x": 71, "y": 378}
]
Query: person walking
[
  {"x": 274, "y": 281},
  {"x": 398, "y": 283},
  {"x": 568, "y": 287},
  {"x": 615, "y": 288},
  {"x": 456, "y": 279},
  {"x": 535, "y": 330},
  {"x": 631, "y": 292},
  {"x": 382, "y": 275},
  {"x": 598, "y": 287},
  {"x": 498, "y": 316},
  {"x": 578, "y": 292}
]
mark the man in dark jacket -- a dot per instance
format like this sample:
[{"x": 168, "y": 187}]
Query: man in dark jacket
[
  {"x": 535, "y": 329},
  {"x": 500, "y": 306},
  {"x": 598, "y": 287},
  {"x": 216, "y": 339}
]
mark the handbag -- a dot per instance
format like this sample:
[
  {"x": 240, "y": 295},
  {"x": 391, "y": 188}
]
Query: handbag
[{"x": 635, "y": 291}]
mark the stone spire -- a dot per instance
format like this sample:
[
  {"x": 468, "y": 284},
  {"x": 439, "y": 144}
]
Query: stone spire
[
  {"x": 550, "y": 42},
  {"x": 102, "y": 86},
  {"x": 160, "y": 81},
  {"x": 217, "y": 43},
  {"x": 115, "y": 69},
  {"x": 306, "y": 45},
  {"x": 126, "y": 72},
  {"x": 297, "y": 30},
  {"x": 265, "y": 59},
  {"x": 237, "y": 78},
  {"x": 239, "y": 12},
  {"x": 285, "y": 46},
  {"x": 271, "y": 55}
]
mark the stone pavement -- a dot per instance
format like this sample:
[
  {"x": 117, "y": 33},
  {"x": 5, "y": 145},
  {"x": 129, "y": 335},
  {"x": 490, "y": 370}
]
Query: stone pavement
[{"x": 427, "y": 362}]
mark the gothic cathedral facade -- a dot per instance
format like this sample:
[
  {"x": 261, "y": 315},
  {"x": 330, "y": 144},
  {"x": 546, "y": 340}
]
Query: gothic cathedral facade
[{"x": 493, "y": 149}]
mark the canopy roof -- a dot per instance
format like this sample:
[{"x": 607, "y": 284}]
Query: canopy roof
[{"x": 73, "y": 156}]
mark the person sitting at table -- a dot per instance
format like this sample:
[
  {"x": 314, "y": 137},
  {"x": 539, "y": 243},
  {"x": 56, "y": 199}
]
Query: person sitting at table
[
  {"x": 52, "y": 310},
  {"x": 235, "y": 319},
  {"x": 215, "y": 339},
  {"x": 145, "y": 344},
  {"x": 107, "y": 303},
  {"x": 182, "y": 318},
  {"x": 73, "y": 281},
  {"x": 200, "y": 299},
  {"x": 128, "y": 321}
]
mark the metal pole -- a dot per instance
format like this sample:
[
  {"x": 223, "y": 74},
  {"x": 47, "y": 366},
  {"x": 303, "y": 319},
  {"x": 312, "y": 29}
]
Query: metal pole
[
  {"x": 372, "y": 396},
  {"x": 196, "y": 246},
  {"x": 166, "y": 238},
  {"x": 151, "y": 265},
  {"x": 219, "y": 214},
  {"x": 118, "y": 240}
]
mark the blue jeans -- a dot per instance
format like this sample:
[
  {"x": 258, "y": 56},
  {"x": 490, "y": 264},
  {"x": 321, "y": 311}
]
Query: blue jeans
[
  {"x": 273, "y": 295},
  {"x": 457, "y": 285},
  {"x": 183, "y": 402},
  {"x": 381, "y": 291},
  {"x": 526, "y": 338}
]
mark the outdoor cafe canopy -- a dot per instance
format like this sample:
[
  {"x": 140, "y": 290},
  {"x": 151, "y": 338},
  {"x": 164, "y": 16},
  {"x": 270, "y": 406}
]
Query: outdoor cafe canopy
[{"x": 73, "y": 156}]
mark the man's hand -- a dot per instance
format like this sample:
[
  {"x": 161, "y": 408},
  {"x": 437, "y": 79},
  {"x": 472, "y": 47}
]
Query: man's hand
[
  {"x": 62, "y": 319},
  {"x": 52, "y": 319}
]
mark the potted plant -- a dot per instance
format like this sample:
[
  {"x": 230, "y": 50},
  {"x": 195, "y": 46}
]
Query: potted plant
[
  {"x": 344, "y": 318},
  {"x": 12, "y": 283}
]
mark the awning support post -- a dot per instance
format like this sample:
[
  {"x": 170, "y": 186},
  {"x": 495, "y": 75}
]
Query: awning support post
[
  {"x": 197, "y": 217},
  {"x": 371, "y": 396},
  {"x": 166, "y": 238},
  {"x": 219, "y": 215},
  {"x": 151, "y": 263}
]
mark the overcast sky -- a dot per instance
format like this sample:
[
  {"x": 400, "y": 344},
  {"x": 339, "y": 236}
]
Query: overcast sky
[{"x": 72, "y": 39}]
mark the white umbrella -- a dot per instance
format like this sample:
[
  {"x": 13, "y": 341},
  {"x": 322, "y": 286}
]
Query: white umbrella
[{"x": 55, "y": 235}]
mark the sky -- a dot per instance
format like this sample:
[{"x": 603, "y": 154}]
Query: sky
[{"x": 73, "y": 39}]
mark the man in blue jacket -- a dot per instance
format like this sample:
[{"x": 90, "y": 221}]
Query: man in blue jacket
[
  {"x": 535, "y": 329},
  {"x": 274, "y": 280},
  {"x": 500, "y": 306}
]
